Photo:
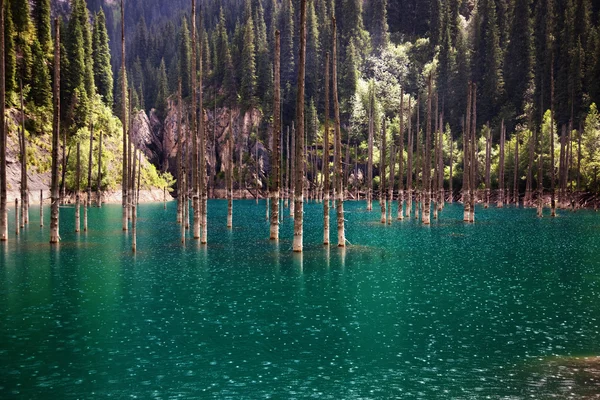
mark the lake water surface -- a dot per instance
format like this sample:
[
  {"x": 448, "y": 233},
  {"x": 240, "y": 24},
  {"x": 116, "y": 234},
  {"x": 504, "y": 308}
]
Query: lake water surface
[{"x": 493, "y": 310}]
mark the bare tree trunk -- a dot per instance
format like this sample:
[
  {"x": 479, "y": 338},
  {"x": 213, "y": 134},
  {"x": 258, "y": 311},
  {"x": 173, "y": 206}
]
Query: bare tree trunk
[
  {"x": 473, "y": 179},
  {"x": 41, "y": 208},
  {"x": 409, "y": 167},
  {"x": 24, "y": 183},
  {"x": 129, "y": 156},
  {"x": 579, "y": 135},
  {"x": 133, "y": 228},
  {"x": 400, "y": 213},
  {"x": 500, "y": 203},
  {"x": 382, "y": 164},
  {"x": 338, "y": 144},
  {"x": 427, "y": 164},
  {"x": 54, "y": 230},
  {"x": 552, "y": 169},
  {"x": 467, "y": 158},
  {"x": 326, "y": 184},
  {"x": 88, "y": 197},
  {"x": 194, "y": 133},
  {"x": 442, "y": 199},
  {"x": 488, "y": 156},
  {"x": 418, "y": 162},
  {"x": 293, "y": 168},
  {"x": 180, "y": 187},
  {"x": 124, "y": 184},
  {"x": 299, "y": 190},
  {"x": 451, "y": 178},
  {"x": 203, "y": 179},
  {"x": 516, "y": 172},
  {"x": 436, "y": 149},
  {"x": 99, "y": 177},
  {"x": 287, "y": 169},
  {"x": 392, "y": 182},
  {"x": 370, "y": 163},
  {"x": 229, "y": 182},
  {"x": 274, "y": 190},
  {"x": 63, "y": 171},
  {"x": 345, "y": 190},
  {"x": 529, "y": 185},
  {"x": 561, "y": 172},
  {"x": 78, "y": 188}
]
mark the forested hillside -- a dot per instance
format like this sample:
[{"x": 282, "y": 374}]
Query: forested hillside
[{"x": 525, "y": 56}]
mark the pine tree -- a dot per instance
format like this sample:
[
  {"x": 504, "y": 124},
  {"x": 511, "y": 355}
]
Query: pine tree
[
  {"x": 41, "y": 92},
  {"x": 80, "y": 16},
  {"x": 313, "y": 52},
  {"x": 118, "y": 93},
  {"x": 248, "y": 78},
  {"x": 10, "y": 58},
  {"x": 518, "y": 66},
  {"x": 379, "y": 25},
  {"x": 163, "y": 91},
  {"x": 350, "y": 77},
  {"x": 544, "y": 26},
  {"x": 184, "y": 65},
  {"x": 41, "y": 19},
  {"x": 103, "y": 75},
  {"x": 20, "y": 14}
]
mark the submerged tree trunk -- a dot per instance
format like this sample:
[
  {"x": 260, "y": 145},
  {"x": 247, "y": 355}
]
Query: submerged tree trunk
[
  {"x": 552, "y": 169},
  {"x": 488, "y": 156},
  {"x": 338, "y": 145},
  {"x": 24, "y": 190},
  {"x": 451, "y": 177},
  {"x": 88, "y": 197},
  {"x": 370, "y": 155},
  {"x": 41, "y": 208},
  {"x": 561, "y": 170},
  {"x": 3, "y": 136},
  {"x": 180, "y": 186},
  {"x": 427, "y": 163},
  {"x": 124, "y": 184},
  {"x": 99, "y": 177},
  {"x": 203, "y": 179},
  {"x": 516, "y": 172},
  {"x": 441, "y": 196},
  {"x": 275, "y": 183},
  {"x": 229, "y": 181},
  {"x": 78, "y": 188},
  {"x": 473, "y": 155},
  {"x": 500, "y": 202},
  {"x": 392, "y": 182},
  {"x": 529, "y": 184},
  {"x": 194, "y": 133},
  {"x": 299, "y": 189},
  {"x": 467, "y": 158},
  {"x": 400, "y": 160},
  {"x": 409, "y": 167},
  {"x": 54, "y": 232},
  {"x": 326, "y": 184},
  {"x": 382, "y": 164},
  {"x": 418, "y": 162}
]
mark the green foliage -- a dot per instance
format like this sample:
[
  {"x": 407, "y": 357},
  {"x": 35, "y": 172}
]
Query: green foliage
[
  {"x": 163, "y": 91},
  {"x": 590, "y": 165},
  {"x": 103, "y": 76},
  {"x": 41, "y": 20},
  {"x": 41, "y": 92},
  {"x": 10, "y": 57},
  {"x": 248, "y": 84},
  {"x": 185, "y": 59}
]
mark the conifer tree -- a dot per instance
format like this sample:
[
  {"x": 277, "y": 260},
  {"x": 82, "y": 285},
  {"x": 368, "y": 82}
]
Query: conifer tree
[
  {"x": 275, "y": 178},
  {"x": 40, "y": 92},
  {"x": 248, "y": 65},
  {"x": 54, "y": 235},
  {"x": 10, "y": 57},
  {"x": 3, "y": 138},
  {"x": 41, "y": 20},
  {"x": 20, "y": 14},
  {"x": 299, "y": 136},
  {"x": 103, "y": 75},
  {"x": 379, "y": 25},
  {"x": 313, "y": 52},
  {"x": 184, "y": 57}
]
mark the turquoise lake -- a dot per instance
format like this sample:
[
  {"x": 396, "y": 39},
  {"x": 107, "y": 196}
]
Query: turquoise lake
[{"x": 494, "y": 310}]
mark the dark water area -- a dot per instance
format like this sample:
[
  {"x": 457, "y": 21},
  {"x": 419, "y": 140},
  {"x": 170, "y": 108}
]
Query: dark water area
[{"x": 500, "y": 309}]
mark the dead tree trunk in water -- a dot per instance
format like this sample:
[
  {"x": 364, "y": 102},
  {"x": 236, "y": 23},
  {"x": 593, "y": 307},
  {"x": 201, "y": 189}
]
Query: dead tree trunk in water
[
  {"x": 400, "y": 213},
  {"x": 488, "y": 156},
  {"x": 552, "y": 169},
  {"x": 54, "y": 235},
  {"x": 339, "y": 204},
  {"x": 392, "y": 181},
  {"x": 467, "y": 158},
  {"x": 194, "y": 133},
  {"x": 473, "y": 154},
  {"x": 78, "y": 188},
  {"x": 529, "y": 184},
  {"x": 203, "y": 179},
  {"x": 99, "y": 177},
  {"x": 24, "y": 190},
  {"x": 3, "y": 136},
  {"x": 561, "y": 169},
  {"x": 299, "y": 189},
  {"x": 516, "y": 172},
  {"x": 382, "y": 164},
  {"x": 88, "y": 197},
  {"x": 229, "y": 181},
  {"x": 427, "y": 163},
  {"x": 180, "y": 187},
  {"x": 409, "y": 167},
  {"x": 124, "y": 185},
  {"x": 500, "y": 202},
  {"x": 326, "y": 184},
  {"x": 451, "y": 177},
  {"x": 418, "y": 162},
  {"x": 370, "y": 163},
  {"x": 274, "y": 190},
  {"x": 440, "y": 178}
]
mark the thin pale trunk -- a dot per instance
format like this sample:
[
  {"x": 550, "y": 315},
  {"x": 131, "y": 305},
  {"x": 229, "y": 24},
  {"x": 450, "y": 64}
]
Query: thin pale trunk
[
  {"x": 99, "y": 177},
  {"x": 124, "y": 184},
  {"x": 391, "y": 182},
  {"x": 488, "y": 155},
  {"x": 293, "y": 168},
  {"x": 451, "y": 177},
  {"x": 287, "y": 169},
  {"x": 88, "y": 197},
  {"x": 418, "y": 162},
  {"x": 441, "y": 163},
  {"x": 229, "y": 182},
  {"x": 24, "y": 190},
  {"x": 299, "y": 190},
  {"x": 529, "y": 185},
  {"x": 77, "y": 188},
  {"x": 409, "y": 167},
  {"x": 561, "y": 173},
  {"x": 400, "y": 212},
  {"x": 41, "y": 208},
  {"x": 54, "y": 230},
  {"x": 370, "y": 155},
  {"x": 427, "y": 163},
  {"x": 129, "y": 156},
  {"x": 338, "y": 145},
  {"x": 194, "y": 133},
  {"x": 382, "y": 164},
  {"x": 133, "y": 228},
  {"x": 500, "y": 203},
  {"x": 17, "y": 224},
  {"x": 436, "y": 149},
  {"x": 466, "y": 157},
  {"x": 63, "y": 167},
  {"x": 473, "y": 154},
  {"x": 203, "y": 179},
  {"x": 326, "y": 184},
  {"x": 552, "y": 169},
  {"x": 516, "y": 172},
  {"x": 180, "y": 187},
  {"x": 275, "y": 182}
]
